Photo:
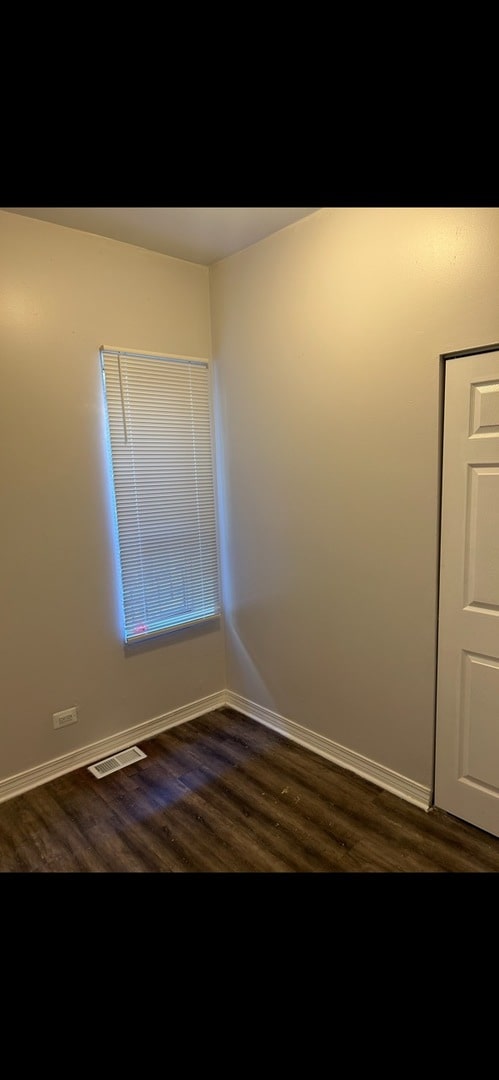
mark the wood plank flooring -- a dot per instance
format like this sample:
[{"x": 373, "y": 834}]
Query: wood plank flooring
[{"x": 225, "y": 795}]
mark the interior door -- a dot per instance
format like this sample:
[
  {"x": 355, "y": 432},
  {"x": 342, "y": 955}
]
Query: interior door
[{"x": 467, "y": 726}]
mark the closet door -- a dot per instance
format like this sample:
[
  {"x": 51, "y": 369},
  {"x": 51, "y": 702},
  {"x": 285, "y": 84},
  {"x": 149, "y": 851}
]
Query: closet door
[{"x": 467, "y": 724}]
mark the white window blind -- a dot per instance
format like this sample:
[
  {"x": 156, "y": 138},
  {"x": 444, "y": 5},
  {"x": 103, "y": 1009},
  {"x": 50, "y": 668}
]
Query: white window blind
[{"x": 159, "y": 416}]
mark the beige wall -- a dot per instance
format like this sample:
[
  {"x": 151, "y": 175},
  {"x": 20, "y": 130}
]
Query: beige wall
[
  {"x": 63, "y": 294},
  {"x": 327, "y": 339}
]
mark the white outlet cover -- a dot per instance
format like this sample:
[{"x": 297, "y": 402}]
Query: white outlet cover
[{"x": 67, "y": 716}]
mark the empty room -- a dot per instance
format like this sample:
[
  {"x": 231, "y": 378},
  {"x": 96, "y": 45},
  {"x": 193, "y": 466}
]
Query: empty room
[{"x": 249, "y": 575}]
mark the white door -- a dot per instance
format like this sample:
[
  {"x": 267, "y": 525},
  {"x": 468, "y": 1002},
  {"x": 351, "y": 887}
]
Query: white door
[{"x": 467, "y": 727}]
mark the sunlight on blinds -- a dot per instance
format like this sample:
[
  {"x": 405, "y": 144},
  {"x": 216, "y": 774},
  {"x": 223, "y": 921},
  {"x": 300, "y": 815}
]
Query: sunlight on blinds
[{"x": 161, "y": 456}]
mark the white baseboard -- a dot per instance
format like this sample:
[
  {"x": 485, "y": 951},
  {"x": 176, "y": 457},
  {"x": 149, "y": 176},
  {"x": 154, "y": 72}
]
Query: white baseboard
[
  {"x": 370, "y": 770},
  {"x": 42, "y": 774}
]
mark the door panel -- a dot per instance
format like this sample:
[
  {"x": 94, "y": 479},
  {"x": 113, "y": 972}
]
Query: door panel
[
  {"x": 481, "y": 562},
  {"x": 467, "y": 730}
]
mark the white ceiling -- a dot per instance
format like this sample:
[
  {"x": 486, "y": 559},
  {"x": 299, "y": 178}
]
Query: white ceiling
[{"x": 199, "y": 234}]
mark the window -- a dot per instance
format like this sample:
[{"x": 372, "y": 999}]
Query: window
[{"x": 160, "y": 438}]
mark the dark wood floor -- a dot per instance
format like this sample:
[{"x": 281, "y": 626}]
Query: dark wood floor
[{"x": 224, "y": 794}]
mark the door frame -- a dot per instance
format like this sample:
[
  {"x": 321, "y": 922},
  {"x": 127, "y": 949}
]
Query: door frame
[{"x": 443, "y": 360}]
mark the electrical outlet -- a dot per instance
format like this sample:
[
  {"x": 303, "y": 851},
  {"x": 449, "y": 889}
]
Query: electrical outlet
[{"x": 67, "y": 716}]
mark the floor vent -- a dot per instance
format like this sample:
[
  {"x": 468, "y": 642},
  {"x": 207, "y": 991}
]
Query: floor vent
[{"x": 119, "y": 761}]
